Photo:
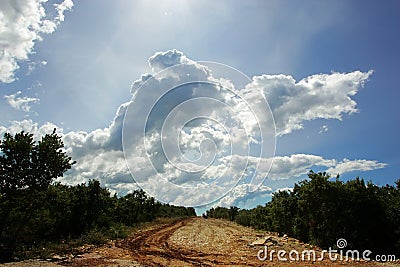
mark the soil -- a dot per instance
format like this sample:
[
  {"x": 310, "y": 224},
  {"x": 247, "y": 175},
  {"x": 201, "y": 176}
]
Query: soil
[{"x": 194, "y": 242}]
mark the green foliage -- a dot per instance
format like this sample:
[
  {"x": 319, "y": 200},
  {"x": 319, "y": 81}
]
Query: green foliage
[
  {"x": 171, "y": 211},
  {"x": 320, "y": 211},
  {"x": 27, "y": 168},
  {"x": 25, "y": 164},
  {"x": 35, "y": 211},
  {"x": 218, "y": 213},
  {"x": 223, "y": 213},
  {"x": 243, "y": 217}
]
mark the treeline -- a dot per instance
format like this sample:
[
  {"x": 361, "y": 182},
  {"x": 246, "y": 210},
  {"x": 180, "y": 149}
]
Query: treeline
[
  {"x": 35, "y": 211},
  {"x": 320, "y": 211},
  {"x": 63, "y": 213}
]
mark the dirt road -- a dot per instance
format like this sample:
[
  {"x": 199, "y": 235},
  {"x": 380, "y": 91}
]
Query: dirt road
[
  {"x": 202, "y": 242},
  {"x": 196, "y": 242}
]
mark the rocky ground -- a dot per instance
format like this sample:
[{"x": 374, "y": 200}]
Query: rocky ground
[{"x": 195, "y": 242}]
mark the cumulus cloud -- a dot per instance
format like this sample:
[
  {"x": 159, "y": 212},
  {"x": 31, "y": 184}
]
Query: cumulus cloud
[
  {"x": 283, "y": 167},
  {"x": 242, "y": 193},
  {"x": 95, "y": 160},
  {"x": 320, "y": 96},
  {"x": 21, "y": 25},
  {"x": 163, "y": 60},
  {"x": 37, "y": 130},
  {"x": 324, "y": 96},
  {"x": 97, "y": 155},
  {"x": 184, "y": 122},
  {"x": 290, "y": 167},
  {"x": 188, "y": 161},
  {"x": 355, "y": 165},
  {"x": 295, "y": 165},
  {"x": 156, "y": 136},
  {"x": 22, "y": 103}
]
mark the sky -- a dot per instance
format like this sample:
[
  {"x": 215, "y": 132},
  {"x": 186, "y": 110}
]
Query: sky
[{"x": 327, "y": 70}]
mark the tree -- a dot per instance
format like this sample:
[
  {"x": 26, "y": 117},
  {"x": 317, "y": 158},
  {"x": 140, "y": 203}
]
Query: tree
[
  {"x": 284, "y": 208},
  {"x": 233, "y": 212},
  {"x": 27, "y": 168},
  {"x": 25, "y": 164}
]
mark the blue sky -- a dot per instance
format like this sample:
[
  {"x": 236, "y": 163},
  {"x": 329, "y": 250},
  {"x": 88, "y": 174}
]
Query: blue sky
[{"x": 77, "y": 73}]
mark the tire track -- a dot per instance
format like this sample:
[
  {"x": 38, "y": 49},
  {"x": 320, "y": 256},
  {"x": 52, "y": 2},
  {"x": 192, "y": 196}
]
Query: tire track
[{"x": 152, "y": 248}]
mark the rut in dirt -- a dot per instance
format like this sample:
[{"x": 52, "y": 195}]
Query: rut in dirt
[{"x": 155, "y": 242}]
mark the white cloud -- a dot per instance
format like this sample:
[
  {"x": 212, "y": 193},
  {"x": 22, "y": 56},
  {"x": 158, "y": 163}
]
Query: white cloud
[
  {"x": 243, "y": 193},
  {"x": 163, "y": 60},
  {"x": 21, "y": 25},
  {"x": 22, "y": 103},
  {"x": 289, "y": 167},
  {"x": 33, "y": 65},
  {"x": 61, "y": 8},
  {"x": 31, "y": 127},
  {"x": 323, "y": 129},
  {"x": 283, "y": 167},
  {"x": 347, "y": 165},
  {"x": 162, "y": 160},
  {"x": 288, "y": 189},
  {"x": 321, "y": 96},
  {"x": 161, "y": 150},
  {"x": 96, "y": 160},
  {"x": 99, "y": 156},
  {"x": 190, "y": 123},
  {"x": 295, "y": 165},
  {"x": 95, "y": 156}
]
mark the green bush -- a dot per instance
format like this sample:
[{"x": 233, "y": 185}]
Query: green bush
[{"x": 320, "y": 211}]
